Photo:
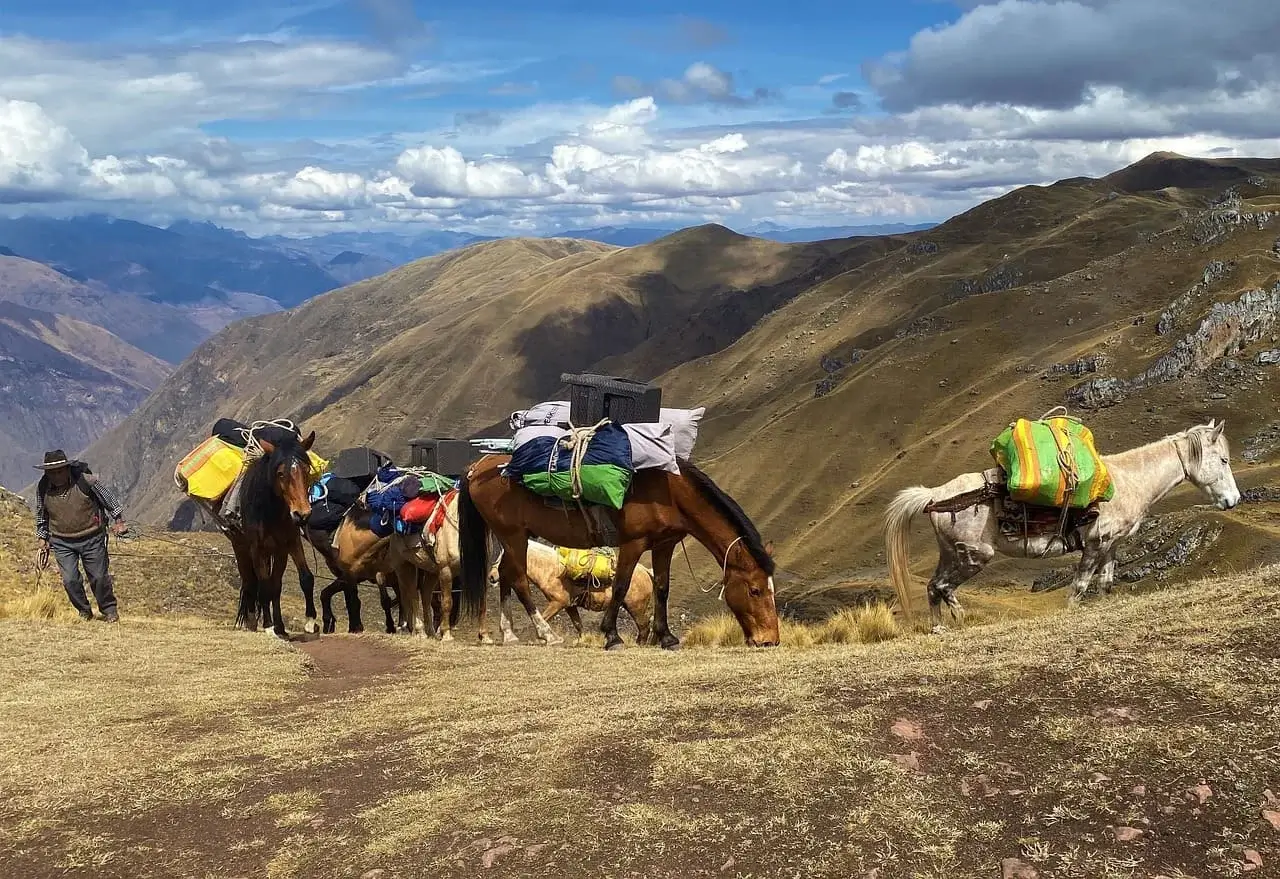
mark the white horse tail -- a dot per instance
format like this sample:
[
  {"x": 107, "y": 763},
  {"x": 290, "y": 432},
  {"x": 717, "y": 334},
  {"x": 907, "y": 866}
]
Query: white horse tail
[{"x": 905, "y": 506}]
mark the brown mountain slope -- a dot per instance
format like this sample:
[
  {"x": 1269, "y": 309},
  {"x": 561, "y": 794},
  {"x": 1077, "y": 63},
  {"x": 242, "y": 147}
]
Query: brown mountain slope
[
  {"x": 63, "y": 382},
  {"x": 835, "y": 373},
  {"x": 455, "y": 342},
  {"x": 165, "y": 331}
]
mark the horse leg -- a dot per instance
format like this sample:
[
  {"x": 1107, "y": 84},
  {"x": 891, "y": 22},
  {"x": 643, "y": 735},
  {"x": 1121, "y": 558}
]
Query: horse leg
[
  {"x": 504, "y": 615},
  {"x": 957, "y": 563},
  {"x": 1092, "y": 560},
  {"x": 388, "y": 601},
  {"x": 661, "y": 591},
  {"x": 444, "y": 588},
  {"x": 276, "y": 587},
  {"x": 411, "y": 595},
  {"x": 1107, "y": 573},
  {"x": 628, "y": 557},
  {"x": 636, "y": 609},
  {"x": 512, "y": 569},
  {"x": 351, "y": 593},
  {"x": 575, "y": 618},
  {"x": 248, "y": 610},
  {"x": 329, "y": 623},
  {"x": 307, "y": 582}
]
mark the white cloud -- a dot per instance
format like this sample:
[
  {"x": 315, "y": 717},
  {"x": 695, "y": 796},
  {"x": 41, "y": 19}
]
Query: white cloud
[{"x": 38, "y": 157}]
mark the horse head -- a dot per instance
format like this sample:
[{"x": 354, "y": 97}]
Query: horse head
[
  {"x": 1208, "y": 464},
  {"x": 287, "y": 468},
  {"x": 748, "y": 590}
]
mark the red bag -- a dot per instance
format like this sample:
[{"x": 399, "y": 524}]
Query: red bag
[{"x": 418, "y": 510}]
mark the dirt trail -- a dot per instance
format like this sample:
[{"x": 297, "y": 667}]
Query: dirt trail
[{"x": 344, "y": 663}]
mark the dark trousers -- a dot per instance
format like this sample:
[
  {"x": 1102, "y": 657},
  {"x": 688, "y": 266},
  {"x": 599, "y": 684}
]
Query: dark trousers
[{"x": 92, "y": 553}]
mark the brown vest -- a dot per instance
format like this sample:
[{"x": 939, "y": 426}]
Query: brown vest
[{"x": 73, "y": 515}]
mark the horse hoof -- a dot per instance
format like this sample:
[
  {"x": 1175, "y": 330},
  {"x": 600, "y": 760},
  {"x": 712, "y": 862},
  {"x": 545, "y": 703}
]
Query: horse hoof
[
  {"x": 614, "y": 643},
  {"x": 939, "y": 629},
  {"x": 485, "y": 640},
  {"x": 358, "y": 630},
  {"x": 669, "y": 642},
  {"x": 510, "y": 639},
  {"x": 310, "y": 627},
  {"x": 446, "y": 638}
]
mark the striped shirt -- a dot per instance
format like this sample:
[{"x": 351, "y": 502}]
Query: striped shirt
[{"x": 99, "y": 492}]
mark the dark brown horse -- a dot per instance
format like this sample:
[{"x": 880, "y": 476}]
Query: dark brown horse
[
  {"x": 660, "y": 510},
  {"x": 273, "y": 508}
]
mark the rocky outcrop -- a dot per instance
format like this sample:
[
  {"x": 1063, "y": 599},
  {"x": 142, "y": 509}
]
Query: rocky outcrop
[
  {"x": 922, "y": 248},
  {"x": 1225, "y": 216},
  {"x": 1225, "y": 331},
  {"x": 1097, "y": 393},
  {"x": 1005, "y": 276},
  {"x": 1215, "y": 271},
  {"x": 1082, "y": 366},
  {"x": 1161, "y": 546},
  {"x": 834, "y": 366}
]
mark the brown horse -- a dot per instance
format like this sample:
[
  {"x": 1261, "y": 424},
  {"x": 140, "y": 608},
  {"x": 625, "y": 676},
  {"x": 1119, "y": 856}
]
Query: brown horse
[
  {"x": 660, "y": 510},
  {"x": 273, "y": 507}
]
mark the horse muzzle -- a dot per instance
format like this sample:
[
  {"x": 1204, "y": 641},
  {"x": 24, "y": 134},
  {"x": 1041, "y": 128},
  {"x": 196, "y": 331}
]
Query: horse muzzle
[{"x": 300, "y": 519}]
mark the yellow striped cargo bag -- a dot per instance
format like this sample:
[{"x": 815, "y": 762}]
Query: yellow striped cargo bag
[
  {"x": 210, "y": 469},
  {"x": 1052, "y": 462},
  {"x": 584, "y": 564}
]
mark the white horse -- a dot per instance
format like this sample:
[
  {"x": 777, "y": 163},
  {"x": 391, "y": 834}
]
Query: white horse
[{"x": 970, "y": 537}]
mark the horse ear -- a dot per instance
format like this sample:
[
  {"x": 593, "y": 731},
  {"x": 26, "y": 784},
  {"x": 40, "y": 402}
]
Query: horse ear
[
  {"x": 1210, "y": 424},
  {"x": 267, "y": 446},
  {"x": 768, "y": 548},
  {"x": 1217, "y": 431},
  {"x": 306, "y": 443}
]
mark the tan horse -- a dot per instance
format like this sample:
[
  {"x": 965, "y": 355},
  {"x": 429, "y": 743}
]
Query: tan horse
[
  {"x": 970, "y": 538},
  {"x": 567, "y": 593}
]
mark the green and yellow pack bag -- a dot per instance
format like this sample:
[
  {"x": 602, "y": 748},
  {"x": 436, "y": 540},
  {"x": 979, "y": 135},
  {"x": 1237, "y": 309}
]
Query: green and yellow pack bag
[{"x": 1052, "y": 462}]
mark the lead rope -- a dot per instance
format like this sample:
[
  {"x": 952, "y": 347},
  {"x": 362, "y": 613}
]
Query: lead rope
[{"x": 724, "y": 568}]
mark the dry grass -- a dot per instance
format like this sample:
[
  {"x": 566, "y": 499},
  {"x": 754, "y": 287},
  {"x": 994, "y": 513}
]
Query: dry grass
[{"x": 141, "y": 749}]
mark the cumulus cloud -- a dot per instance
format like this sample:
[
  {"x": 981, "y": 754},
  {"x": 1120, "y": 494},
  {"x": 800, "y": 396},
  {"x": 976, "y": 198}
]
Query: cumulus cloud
[
  {"x": 39, "y": 159},
  {"x": 1052, "y": 53},
  {"x": 700, "y": 83}
]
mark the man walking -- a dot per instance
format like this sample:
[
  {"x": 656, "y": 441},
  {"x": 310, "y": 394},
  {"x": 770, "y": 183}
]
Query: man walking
[{"x": 72, "y": 509}]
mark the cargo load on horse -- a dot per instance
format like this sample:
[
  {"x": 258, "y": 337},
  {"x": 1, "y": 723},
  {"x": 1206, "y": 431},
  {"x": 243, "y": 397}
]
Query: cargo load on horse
[
  {"x": 596, "y": 565},
  {"x": 211, "y": 473},
  {"x": 1052, "y": 462},
  {"x": 408, "y": 501},
  {"x": 594, "y": 464}
]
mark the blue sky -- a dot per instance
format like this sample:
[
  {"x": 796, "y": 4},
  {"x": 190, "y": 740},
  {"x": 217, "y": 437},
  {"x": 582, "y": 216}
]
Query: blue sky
[{"x": 503, "y": 116}]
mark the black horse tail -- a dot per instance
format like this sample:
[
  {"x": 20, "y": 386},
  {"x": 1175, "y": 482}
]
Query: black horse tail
[
  {"x": 248, "y": 609},
  {"x": 473, "y": 539}
]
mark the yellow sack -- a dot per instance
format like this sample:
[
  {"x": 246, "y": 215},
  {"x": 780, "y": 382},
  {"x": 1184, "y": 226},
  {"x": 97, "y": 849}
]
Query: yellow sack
[
  {"x": 319, "y": 467},
  {"x": 582, "y": 564},
  {"x": 210, "y": 469}
]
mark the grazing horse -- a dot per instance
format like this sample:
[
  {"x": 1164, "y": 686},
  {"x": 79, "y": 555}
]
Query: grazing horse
[
  {"x": 566, "y": 592},
  {"x": 660, "y": 510},
  {"x": 273, "y": 507},
  {"x": 971, "y": 537}
]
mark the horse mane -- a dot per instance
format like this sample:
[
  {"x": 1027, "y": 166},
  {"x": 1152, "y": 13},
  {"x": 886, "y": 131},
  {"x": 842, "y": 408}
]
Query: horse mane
[
  {"x": 729, "y": 508},
  {"x": 259, "y": 504}
]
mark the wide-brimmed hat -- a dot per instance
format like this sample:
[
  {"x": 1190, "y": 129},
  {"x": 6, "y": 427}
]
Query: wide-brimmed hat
[{"x": 54, "y": 460}]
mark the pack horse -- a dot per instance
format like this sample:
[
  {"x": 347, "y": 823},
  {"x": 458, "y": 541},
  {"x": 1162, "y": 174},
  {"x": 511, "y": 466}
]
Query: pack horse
[{"x": 967, "y": 513}]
